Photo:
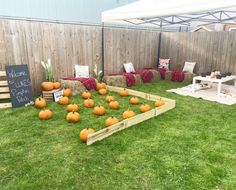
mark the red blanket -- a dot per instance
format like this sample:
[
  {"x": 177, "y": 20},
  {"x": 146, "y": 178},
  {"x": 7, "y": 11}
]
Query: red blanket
[
  {"x": 146, "y": 75},
  {"x": 162, "y": 72},
  {"x": 89, "y": 83},
  {"x": 130, "y": 79},
  {"x": 177, "y": 76}
]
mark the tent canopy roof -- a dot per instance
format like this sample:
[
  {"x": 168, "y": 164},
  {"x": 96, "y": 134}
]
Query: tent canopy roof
[{"x": 169, "y": 12}]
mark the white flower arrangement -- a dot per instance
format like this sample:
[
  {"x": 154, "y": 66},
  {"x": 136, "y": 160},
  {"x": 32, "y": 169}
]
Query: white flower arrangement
[
  {"x": 48, "y": 70},
  {"x": 97, "y": 74}
]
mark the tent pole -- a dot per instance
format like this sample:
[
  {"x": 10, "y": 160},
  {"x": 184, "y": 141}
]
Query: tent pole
[{"x": 103, "y": 49}]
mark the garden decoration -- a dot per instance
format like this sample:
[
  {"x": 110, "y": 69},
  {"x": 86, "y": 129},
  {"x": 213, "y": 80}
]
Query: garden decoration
[
  {"x": 134, "y": 100},
  {"x": 124, "y": 92},
  {"x": 88, "y": 103},
  {"x": 98, "y": 75},
  {"x": 72, "y": 107},
  {"x": 114, "y": 105},
  {"x": 40, "y": 103},
  {"x": 48, "y": 70},
  {"x": 84, "y": 134},
  {"x": 45, "y": 114},
  {"x": 111, "y": 121},
  {"x": 110, "y": 98},
  {"x": 86, "y": 95}
]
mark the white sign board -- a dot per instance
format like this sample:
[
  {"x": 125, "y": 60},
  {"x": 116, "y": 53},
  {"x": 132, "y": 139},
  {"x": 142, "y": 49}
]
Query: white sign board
[{"x": 57, "y": 95}]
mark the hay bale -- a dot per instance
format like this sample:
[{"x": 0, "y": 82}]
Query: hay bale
[
  {"x": 138, "y": 79},
  {"x": 156, "y": 76},
  {"x": 168, "y": 75},
  {"x": 188, "y": 78},
  {"x": 76, "y": 86},
  {"x": 117, "y": 80}
]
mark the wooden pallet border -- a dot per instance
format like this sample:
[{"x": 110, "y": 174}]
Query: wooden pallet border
[
  {"x": 106, "y": 132},
  {"x": 4, "y": 91}
]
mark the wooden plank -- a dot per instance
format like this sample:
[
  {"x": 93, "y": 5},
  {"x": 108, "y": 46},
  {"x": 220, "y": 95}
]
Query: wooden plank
[
  {"x": 3, "y": 74},
  {"x": 5, "y": 96},
  {"x": 3, "y": 83},
  {"x": 4, "y": 89},
  {"x": 5, "y": 105}
]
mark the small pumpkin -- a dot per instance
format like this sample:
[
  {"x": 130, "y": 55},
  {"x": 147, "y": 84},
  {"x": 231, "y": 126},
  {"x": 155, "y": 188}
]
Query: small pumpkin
[
  {"x": 40, "y": 103},
  {"x": 67, "y": 92},
  {"x": 47, "y": 86},
  {"x": 110, "y": 98},
  {"x": 159, "y": 103},
  {"x": 86, "y": 95},
  {"x": 128, "y": 114},
  {"x": 45, "y": 114},
  {"x": 124, "y": 92},
  {"x": 73, "y": 117},
  {"x": 84, "y": 134},
  {"x": 64, "y": 100},
  {"x": 134, "y": 100},
  {"x": 111, "y": 121},
  {"x": 102, "y": 91},
  {"x": 145, "y": 108},
  {"x": 99, "y": 110},
  {"x": 88, "y": 103},
  {"x": 114, "y": 105},
  {"x": 72, "y": 107},
  {"x": 100, "y": 85},
  {"x": 56, "y": 85}
]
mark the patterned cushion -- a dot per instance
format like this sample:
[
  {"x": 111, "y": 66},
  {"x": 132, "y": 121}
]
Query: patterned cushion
[
  {"x": 129, "y": 68},
  {"x": 164, "y": 64},
  {"x": 189, "y": 66},
  {"x": 81, "y": 71}
]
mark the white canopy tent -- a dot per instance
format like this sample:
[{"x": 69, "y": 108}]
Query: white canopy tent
[{"x": 173, "y": 12}]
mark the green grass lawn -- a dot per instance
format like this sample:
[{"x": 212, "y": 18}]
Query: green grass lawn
[{"x": 190, "y": 147}]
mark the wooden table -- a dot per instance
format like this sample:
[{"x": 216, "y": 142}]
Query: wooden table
[{"x": 214, "y": 80}]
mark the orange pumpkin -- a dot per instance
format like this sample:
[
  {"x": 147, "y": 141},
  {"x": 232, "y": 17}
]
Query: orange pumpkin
[
  {"x": 111, "y": 121},
  {"x": 84, "y": 134},
  {"x": 100, "y": 85},
  {"x": 102, "y": 91},
  {"x": 110, "y": 98},
  {"x": 56, "y": 85},
  {"x": 86, "y": 95},
  {"x": 72, "y": 107},
  {"x": 47, "y": 86},
  {"x": 73, "y": 117},
  {"x": 64, "y": 100},
  {"x": 88, "y": 103},
  {"x": 40, "y": 103},
  {"x": 99, "y": 110},
  {"x": 145, "y": 108},
  {"x": 124, "y": 92},
  {"x": 134, "y": 100},
  {"x": 45, "y": 114},
  {"x": 67, "y": 92},
  {"x": 128, "y": 114},
  {"x": 114, "y": 105},
  {"x": 159, "y": 103}
]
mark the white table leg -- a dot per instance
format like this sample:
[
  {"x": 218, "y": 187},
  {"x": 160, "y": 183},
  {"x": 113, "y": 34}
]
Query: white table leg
[
  {"x": 219, "y": 89},
  {"x": 193, "y": 85},
  {"x": 234, "y": 83}
]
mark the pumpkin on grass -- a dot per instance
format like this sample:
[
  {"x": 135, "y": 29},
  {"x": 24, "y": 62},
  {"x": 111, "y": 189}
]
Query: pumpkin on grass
[
  {"x": 110, "y": 98},
  {"x": 40, "y": 103},
  {"x": 84, "y": 134},
  {"x": 111, "y": 121},
  {"x": 159, "y": 103},
  {"x": 124, "y": 92},
  {"x": 47, "y": 86},
  {"x": 128, "y": 114},
  {"x": 86, "y": 95},
  {"x": 88, "y": 103},
  {"x": 72, "y": 107},
  {"x": 145, "y": 108},
  {"x": 73, "y": 117},
  {"x": 56, "y": 85},
  {"x": 64, "y": 100},
  {"x": 45, "y": 114},
  {"x": 100, "y": 85},
  {"x": 99, "y": 110},
  {"x": 67, "y": 92},
  {"x": 102, "y": 91},
  {"x": 134, "y": 100},
  {"x": 114, "y": 105}
]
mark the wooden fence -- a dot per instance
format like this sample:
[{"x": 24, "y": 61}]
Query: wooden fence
[{"x": 210, "y": 50}]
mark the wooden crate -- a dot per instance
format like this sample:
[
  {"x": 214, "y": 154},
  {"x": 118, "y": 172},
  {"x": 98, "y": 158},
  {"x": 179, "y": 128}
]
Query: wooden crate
[
  {"x": 106, "y": 132},
  {"x": 48, "y": 95},
  {"x": 4, "y": 91}
]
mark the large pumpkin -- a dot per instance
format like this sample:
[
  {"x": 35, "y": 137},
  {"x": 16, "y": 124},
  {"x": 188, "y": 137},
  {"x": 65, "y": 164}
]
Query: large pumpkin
[
  {"x": 124, "y": 92},
  {"x": 64, "y": 100},
  {"x": 47, "y": 86},
  {"x": 99, "y": 110},
  {"x": 56, "y": 85},
  {"x": 45, "y": 114},
  {"x": 111, "y": 121},
  {"x": 128, "y": 114},
  {"x": 40, "y": 103},
  {"x": 100, "y": 85},
  {"x": 110, "y": 98},
  {"x": 102, "y": 91},
  {"x": 134, "y": 100},
  {"x": 72, "y": 107},
  {"x": 67, "y": 92},
  {"x": 88, "y": 103},
  {"x": 145, "y": 108},
  {"x": 73, "y": 117},
  {"x": 84, "y": 134},
  {"x": 114, "y": 105},
  {"x": 159, "y": 103},
  {"x": 86, "y": 95}
]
